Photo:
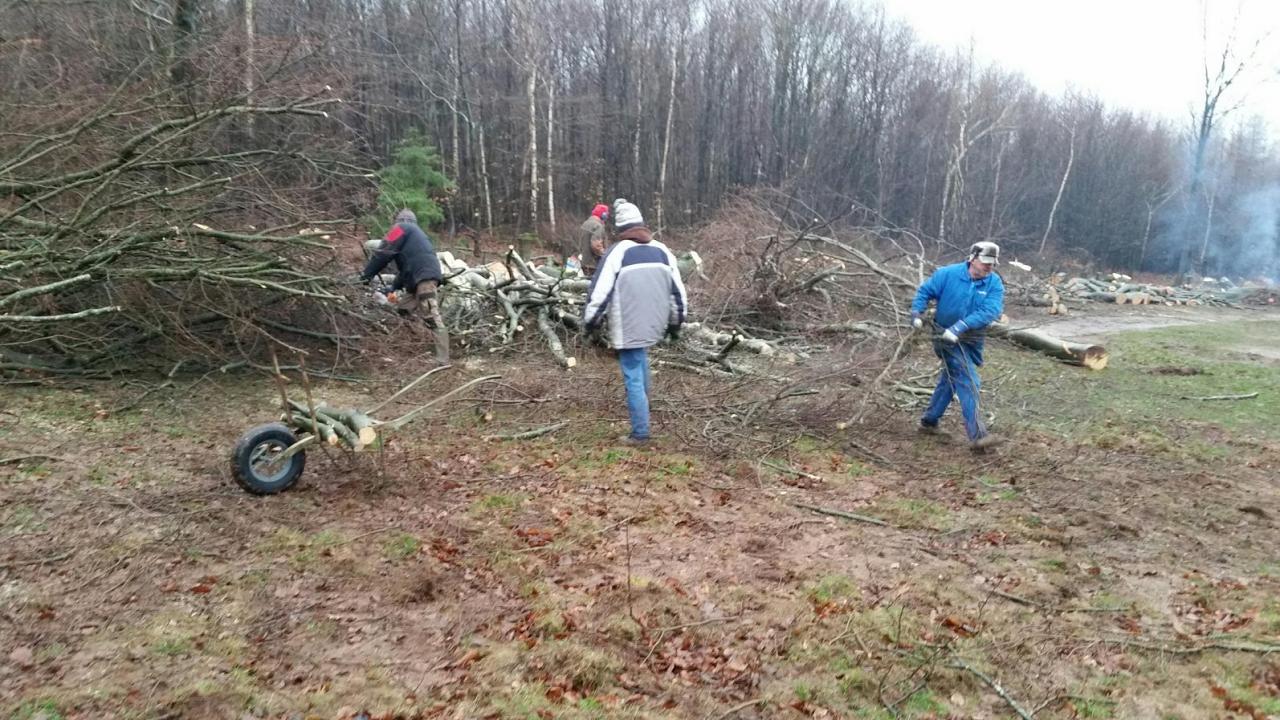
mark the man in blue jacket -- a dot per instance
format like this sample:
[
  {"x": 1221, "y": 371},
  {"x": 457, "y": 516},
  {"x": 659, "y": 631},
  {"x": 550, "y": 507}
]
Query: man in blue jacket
[
  {"x": 969, "y": 296},
  {"x": 639, "y": 290}
]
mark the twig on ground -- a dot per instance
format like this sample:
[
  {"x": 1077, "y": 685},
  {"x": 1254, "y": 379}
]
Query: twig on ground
[
  {"x": 1196, "y": 649},
  {"x": 793, "y": 471},
  {"x": 662, "y": 633},
  {"x": 1015, "y": 598},
  {"x": 365, "y": 535},
  {"x": 32, "y": 456},
  {"x": 842, "y": 514},
  {"x": 1245, "y": 396},
  {"x": 740, "y": 706},
  {"x": 529, "y": 434},
  {"x": 38, "y": 561},
  {"x": 1013, "y": 704}
]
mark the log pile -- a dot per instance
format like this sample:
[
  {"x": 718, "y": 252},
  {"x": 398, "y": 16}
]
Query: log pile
[
  {"x": 1121, "y": 290},
  {"x": 1055, "y": 292},
  {"x": 348, "y": 428},
  {"x": 502, "y": 303}
]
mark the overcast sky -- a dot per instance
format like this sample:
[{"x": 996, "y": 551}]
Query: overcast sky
[{"x": 1144, "y": 54}]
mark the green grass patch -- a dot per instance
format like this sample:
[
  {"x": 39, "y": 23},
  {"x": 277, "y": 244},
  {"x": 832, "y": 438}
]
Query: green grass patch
[
  {"x": 401, "y": 546},
  {"x": 44, "y": 708},
  {"x": 1090, "y": 708},
  {"x": 498, "y": 503},
  {"x": 1141, "y": 386},
  {"x": 1055, "y": 565},
  {"x": 986, "y": 498},
  {"x": 913, "y": 513},
  {"x": 923, "y": 704},
  {"x": 834, "y": 589}
]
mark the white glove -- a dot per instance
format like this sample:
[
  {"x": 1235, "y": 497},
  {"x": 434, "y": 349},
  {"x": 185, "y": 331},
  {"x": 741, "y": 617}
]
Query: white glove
[
  {"x": 950, "y": 338},
  {"x": 917, "y": 323}
]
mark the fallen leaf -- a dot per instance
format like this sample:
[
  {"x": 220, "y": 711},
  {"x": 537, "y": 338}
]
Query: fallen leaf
[{"x": 23, "y": 657}]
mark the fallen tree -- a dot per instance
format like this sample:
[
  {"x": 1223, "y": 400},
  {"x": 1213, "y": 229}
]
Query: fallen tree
[
  {"x": 1093, "y": 357},
  {"x": 125, "y": 240}
]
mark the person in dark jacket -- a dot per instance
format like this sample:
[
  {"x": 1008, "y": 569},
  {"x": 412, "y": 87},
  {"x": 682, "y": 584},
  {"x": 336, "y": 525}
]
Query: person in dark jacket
[
  {"x": 591, "y": 239},
  {"x": 638, "y": 288},
  {"x": 969, "y": 297},
  {"x": 417, "y": 271}
]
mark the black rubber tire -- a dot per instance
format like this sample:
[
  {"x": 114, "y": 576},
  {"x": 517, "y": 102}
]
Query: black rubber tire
[{"x": 272, "y": 436}]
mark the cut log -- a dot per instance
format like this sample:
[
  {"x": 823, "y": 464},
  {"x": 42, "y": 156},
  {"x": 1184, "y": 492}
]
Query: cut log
[
  {"x": 301, "y": 422},
  {"x": 1093, "y": 357},
  {"x": 361, "y": 424}
]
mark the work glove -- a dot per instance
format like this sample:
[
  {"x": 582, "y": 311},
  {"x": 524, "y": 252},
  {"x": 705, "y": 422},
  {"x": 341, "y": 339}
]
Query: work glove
[
  {"x": 950, "y": 337},
  {"x": 673, "y": 332},
  {"x": 917, "y": 323}
]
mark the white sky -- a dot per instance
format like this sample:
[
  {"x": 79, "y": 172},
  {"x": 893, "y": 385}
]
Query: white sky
[{"x": 1147, "y": 55}]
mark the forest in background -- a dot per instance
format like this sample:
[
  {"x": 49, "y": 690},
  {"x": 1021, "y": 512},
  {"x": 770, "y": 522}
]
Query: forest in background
[{"x": 540, "y": 108}]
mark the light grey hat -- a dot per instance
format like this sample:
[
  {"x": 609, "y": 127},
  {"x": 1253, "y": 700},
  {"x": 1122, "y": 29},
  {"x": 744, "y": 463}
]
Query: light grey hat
[
  {"x": 985, "y": 251},
  {"x": 626, "y": 214},
  {"x": 406, "y": 216}
]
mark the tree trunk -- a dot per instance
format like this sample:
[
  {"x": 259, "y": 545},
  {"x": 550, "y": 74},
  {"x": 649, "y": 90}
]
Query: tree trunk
[
  {"x": 1093, "y": 357},
  {"x": 248, "y": 64},
  {"x": 551, "y": 129},
  {"x": 635, "y": 138},
  {"x": 666, "y": 137},
  {"x": 1071, "y": 158},
  {"x": 484, "y": 183},
  {"x": 1208, "y": 230},
  {"x": 533, "y": 149}
]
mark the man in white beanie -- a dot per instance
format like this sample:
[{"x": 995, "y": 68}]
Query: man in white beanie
[{"x": 638, "y": 288}]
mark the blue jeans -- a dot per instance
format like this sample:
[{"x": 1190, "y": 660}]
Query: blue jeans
[
  {"x": 959, "y": 376},
  {"x": 635, "y": 376}
]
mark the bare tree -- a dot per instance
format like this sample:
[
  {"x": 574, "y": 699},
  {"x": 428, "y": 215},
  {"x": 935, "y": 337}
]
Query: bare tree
[
  {"x": 1220, "y": 75},
  {"x": 1062, "y": 186}
]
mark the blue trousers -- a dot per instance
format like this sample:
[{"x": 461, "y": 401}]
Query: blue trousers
[
  {"x": 635, "y": 376},
  {"x": 959, "y": 377}
]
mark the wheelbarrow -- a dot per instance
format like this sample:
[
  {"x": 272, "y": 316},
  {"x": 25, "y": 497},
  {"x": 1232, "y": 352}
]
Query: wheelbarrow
[{"x": 269, "y": 458}]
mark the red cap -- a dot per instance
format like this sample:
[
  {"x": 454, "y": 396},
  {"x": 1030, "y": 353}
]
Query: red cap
[{"x": 600, "y": 211}]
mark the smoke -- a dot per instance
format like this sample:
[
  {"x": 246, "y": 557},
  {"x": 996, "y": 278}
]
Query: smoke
[{"x": 1257, "y": 216}]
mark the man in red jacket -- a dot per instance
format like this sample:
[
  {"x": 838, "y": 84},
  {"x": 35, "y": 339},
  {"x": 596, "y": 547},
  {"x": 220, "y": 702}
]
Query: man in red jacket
[{"x": 418, "y": 272}]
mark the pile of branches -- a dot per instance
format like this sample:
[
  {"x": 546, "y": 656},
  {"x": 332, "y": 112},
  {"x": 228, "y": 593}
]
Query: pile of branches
[
  {"x": 1054, "y": 292},
  {"x": 498, "y": 305},
  {"x": 118, "y": 236}
]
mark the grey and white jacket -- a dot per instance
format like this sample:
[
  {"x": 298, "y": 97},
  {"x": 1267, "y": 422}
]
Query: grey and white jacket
[{"x": 638, "y": 288}]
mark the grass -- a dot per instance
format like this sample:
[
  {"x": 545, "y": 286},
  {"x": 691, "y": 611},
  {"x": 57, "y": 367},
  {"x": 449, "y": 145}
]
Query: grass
[
  {"x": 913, "y": 513},
  {"x": 834, "y": 588},
  {"x": 498, "y": 503},
  {"x": 1132, "y": 392},
  {"x": 43, "y": 708},
  {"x": 401, "y": 546}
]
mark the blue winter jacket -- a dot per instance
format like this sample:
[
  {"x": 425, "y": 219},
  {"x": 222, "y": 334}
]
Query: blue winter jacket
[{"x": 965, "y": 306}]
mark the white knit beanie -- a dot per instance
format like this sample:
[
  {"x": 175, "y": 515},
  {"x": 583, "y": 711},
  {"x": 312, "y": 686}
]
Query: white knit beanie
[{"x": 625, "y": 214}]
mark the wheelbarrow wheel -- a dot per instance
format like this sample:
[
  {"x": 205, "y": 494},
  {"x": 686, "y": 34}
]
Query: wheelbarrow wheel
[{"x": 255, "y": 462}]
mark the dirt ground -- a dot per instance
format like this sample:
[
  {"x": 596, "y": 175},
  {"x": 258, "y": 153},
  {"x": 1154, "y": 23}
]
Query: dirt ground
[{"x": 1121, "y": 565}]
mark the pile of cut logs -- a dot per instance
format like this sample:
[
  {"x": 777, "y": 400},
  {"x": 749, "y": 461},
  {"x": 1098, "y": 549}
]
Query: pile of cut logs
[
  {"x": 349, "y": 428},
  {"x": 491, "y": 306},
  {"x": 1122, "y": 291}
]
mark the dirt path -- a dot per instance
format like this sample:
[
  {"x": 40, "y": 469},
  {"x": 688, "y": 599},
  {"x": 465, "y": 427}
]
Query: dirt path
[{"x": 1098, "y": 321}]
